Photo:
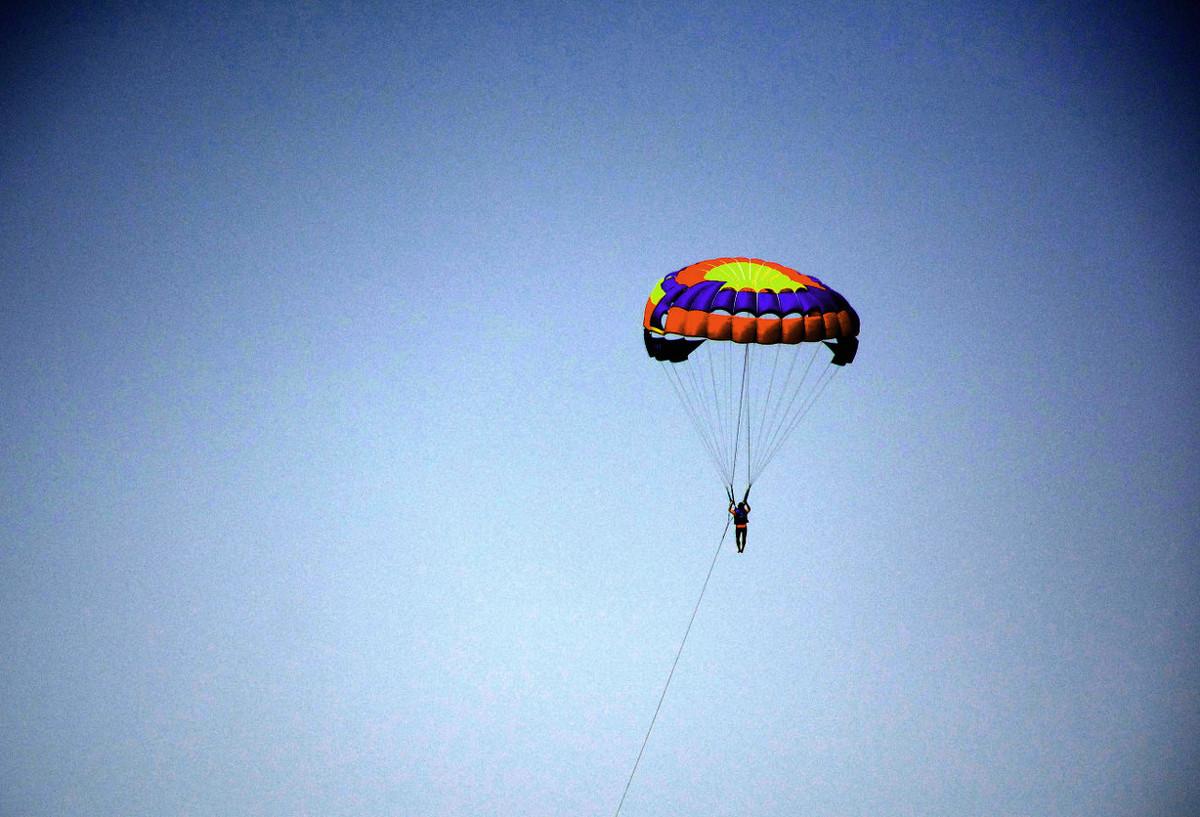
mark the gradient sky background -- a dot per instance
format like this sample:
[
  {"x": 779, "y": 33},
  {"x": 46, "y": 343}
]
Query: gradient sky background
[{"x": 336, "y": 481}]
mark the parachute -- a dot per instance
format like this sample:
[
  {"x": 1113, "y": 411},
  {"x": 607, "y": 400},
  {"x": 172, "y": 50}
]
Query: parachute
[{"x": 739, "y": 339}]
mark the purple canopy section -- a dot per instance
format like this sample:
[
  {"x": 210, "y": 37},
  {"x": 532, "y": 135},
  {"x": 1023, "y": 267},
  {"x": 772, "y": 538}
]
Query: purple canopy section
[{"x": 708, "y": 296}]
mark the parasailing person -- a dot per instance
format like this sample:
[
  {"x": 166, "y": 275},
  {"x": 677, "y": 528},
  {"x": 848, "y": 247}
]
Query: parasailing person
[{"x": 741, "y": 518}]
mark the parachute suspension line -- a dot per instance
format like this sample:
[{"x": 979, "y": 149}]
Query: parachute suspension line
[
  {"x": 684, "y": 398},
  {"x": 749, "y": 395},
  {"x": 796, "y": 411},
  {"x": 735, "y": 381},
  {"x": 784, "y": 416},
  {"x": 717, "y": 401},
  {"x": 711, "y": 429},
  {"x": 832, "y": 371},
  {"x": 741, "y": 404},
  {"x": 727, "y": 425},
  {"x": 703, "y": 403},
  {"x": 823, "y": 381},
  {"x": 674, "y": 664},
  {"x": 768, "y": 419},
  {"x": 758, "y": 438},
  {"x": 771, "y": 410},
  {"x": 681, "y": 393},
  {"x": 806, "y": 405}
]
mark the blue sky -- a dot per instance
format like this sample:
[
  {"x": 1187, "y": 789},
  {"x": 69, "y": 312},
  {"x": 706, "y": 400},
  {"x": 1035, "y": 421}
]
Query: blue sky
[{"x": 336, "y": 480}]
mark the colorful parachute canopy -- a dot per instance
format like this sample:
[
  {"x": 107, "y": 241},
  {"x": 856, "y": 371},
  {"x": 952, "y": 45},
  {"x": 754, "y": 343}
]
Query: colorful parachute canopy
[
  {"x": 745, "y": 300},
  {"x": 744, "y": 404}
]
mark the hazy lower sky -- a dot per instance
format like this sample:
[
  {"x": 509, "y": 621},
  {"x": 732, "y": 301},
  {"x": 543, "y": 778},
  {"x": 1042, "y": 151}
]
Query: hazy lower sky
[{"x": 335, "y": 479}]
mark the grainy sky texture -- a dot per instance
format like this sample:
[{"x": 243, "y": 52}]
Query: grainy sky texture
[{"x": 335, "y": 479}]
